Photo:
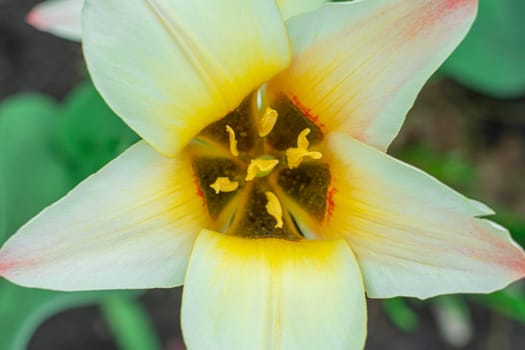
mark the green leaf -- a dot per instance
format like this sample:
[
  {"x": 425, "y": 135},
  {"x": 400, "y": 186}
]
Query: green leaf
[
  {"x": 129, "y": 324},
  {"x": 515, "y": 224},
  {"x": 491, "y": 59},
  {"x": 90, "y": 133},
  {"x": 450, "y": 168},
  {"x": 31, "y": 174},
  {"x": 398, "y": 312},
  {"x": 509, "y": 302}
]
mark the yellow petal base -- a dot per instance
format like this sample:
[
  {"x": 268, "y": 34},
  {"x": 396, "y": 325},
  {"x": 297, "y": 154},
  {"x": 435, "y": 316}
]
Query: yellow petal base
[{"x": 272, "y": 294}]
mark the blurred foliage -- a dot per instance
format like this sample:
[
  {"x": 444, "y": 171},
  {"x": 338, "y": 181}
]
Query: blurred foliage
[
  {"x": 89, "y": 133},
  {"x": 129, "y": 324},
  {"x": 491, "y": 58},
  {"x": 400, "y": 314},
  {"x": 45, "y": 149},
  {"x": 32, "y": 174}
]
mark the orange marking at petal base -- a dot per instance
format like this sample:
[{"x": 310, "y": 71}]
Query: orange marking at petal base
[
  {"x": 307, "y": 112},
  {"x": 199, "y": 190},
  {"x": 330, "y": 202}
]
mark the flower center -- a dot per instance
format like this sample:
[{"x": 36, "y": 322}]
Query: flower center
[{"x": 259, "y": 172}]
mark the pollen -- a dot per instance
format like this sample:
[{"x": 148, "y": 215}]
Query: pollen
[
  {"x": 295, "y": 155},
  {"x": 267, "y": 121},
  {"x": 233, "y": 141},
  {"x": 260, "y": 168},
  {"x": 273, "y": 207},
  {"x": 223, "y": 184}
]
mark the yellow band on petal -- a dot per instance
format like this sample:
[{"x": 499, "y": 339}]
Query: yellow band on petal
[{"x": 274, "y": 286}]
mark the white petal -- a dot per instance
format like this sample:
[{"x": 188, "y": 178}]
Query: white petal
[
  {"x": 290, "y": 8},
  {"x": 358, "y": 66},
  {"x": 412, "y": 235},
  {"x": 59, "y": 17},
  {"x": 131, "y": 225},
  {"x": 272, "y": 294},
  {"x": 170, "y": 68}
]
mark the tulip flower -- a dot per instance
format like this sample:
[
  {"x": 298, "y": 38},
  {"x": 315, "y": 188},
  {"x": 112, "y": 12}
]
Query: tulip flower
[{"x": 262, "y": 183}]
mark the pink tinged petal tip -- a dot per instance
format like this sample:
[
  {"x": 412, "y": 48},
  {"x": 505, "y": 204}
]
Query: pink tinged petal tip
[
  {"x": 507, "y": 253},
  {"x": 33, "y": 19},
  {"x": 358, "y": 66},
  {"x": 59, "y": 17},
  {"x": 412, "y": 235},
  {"x": 102, "y": 234}
]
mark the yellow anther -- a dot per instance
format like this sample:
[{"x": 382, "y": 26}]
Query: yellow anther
[
  {"x": 260, "y": 167},
  {"x": 295, "y": 155},
  {"x": 267, "y": 121},
  {"x": 233, "y": 141},
  {"x": 302, "y": 141},
  {"x": 273, "y": 207},
  {"x": 223, "y": 184}
]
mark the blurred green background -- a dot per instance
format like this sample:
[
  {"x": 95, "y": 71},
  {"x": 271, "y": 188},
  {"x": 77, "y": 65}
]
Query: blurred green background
[{"x": 467, "y": 129}]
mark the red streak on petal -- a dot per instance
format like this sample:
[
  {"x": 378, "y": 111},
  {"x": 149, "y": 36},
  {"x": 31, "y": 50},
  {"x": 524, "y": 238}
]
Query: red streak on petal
[
  {"x": 330, "y": 202},
  {"x": 518, "y": 265},
  {"x": 433, "y": 12},
  {"x": 6, "y": 266},
  {"x": 307, "y": 112},
  {"x": 505, "y": 254},
  {"x": 199, "y": 190}
]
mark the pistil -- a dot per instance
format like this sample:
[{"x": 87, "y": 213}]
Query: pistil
[{"x": 260, "y": 167}]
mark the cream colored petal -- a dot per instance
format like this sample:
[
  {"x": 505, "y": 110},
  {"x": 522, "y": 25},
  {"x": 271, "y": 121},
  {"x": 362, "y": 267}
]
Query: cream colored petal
[
  {"x": 170, "y": 68},
  {"x": 412, "y": 235},
  {"x": 59, "y": 17},
  {"x": 272, "y": 294},
  {"x": 131, "y": 225},
  {"x": 358, "y": 66},
  {"x": 290, "y": 8}
]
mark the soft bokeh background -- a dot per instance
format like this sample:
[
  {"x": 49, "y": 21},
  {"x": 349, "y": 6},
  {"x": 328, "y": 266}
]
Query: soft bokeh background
[{"x": 467, "y": 128}]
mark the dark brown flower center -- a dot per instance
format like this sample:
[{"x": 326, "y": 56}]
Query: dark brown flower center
[{"x": 253, "y": 167}]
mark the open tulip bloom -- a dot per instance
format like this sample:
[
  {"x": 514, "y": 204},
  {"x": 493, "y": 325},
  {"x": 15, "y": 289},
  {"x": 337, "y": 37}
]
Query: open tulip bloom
[{"x": 262, "y": 183}]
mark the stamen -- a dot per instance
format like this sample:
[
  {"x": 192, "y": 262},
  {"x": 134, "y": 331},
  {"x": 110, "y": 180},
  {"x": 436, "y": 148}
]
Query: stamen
[
  {"x": 267, "y": 121},
  {"x": 302, "y": 141},
  {"x": 273, "y": 207},
  {"x": 295, "y": 155},
  {"x": 233, "y": 141},
  {"x": 223, "y": 184},
  {"x": 260, "y": 168}
]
